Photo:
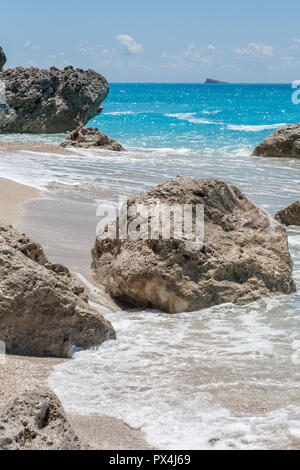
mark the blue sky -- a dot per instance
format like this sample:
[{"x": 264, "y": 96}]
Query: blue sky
[{"x": 157, "y": 40}]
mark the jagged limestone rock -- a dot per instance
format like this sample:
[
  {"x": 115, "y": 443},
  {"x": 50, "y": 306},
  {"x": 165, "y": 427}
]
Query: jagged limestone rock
[
  {"x": 43, "y": 309},
  {"x": 244, "y": 257},
  {"x": 285, "y": 142},
  {"x": 90, "y": 137},
  {"x": 51, "y": 101},
  {"x": 36, "y": 420},
  {"x": 290, "y": 215},
  {"x": 2, "y": 58}
]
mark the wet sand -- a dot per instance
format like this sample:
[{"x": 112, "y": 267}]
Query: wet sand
[
  {"x": 20, "y": 374},
  {"x": 105, "y": 433},
  {"x": 46, "y": 220},
  {"x": 52, "y": 221},
  {"x": 13, "y": 196},
  {"x": 15, "y": 147}
]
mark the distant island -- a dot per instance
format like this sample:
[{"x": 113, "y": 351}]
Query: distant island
[{"x": 211, "y": 80}]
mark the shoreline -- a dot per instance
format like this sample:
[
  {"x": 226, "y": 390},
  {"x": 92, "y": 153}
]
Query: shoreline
[
  {"x": 22, "y": 373},
  {"x": 39, "y": 147},
  {"x": 65, "y": 228},
  {"x": 13, "y": 197}
]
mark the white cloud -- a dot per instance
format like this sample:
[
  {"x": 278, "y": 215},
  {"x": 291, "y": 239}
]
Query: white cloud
[
  {"x": 31, "y": 46},
  {"x": 296, "y": 44},
  {"x": 108, "y": 52},
  {"x": 191, "y": 47},
  {"x": 255, "y": 50},
  {"x": 130, "y": 44},
  {"x": 201, "y": 57},
  {"x": 83, "y": 47}
]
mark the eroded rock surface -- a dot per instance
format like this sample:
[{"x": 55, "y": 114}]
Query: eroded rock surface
[
  {"x": 51, "y": 101},
  {"x": 36, "y": 420},
  {"x": 285, "y": 142},
  {"x": 43, "y": 309},
  {"x": 244, "y": 257},
  {"x": 90, "y": 137},
  {"x": 2, "y": 58},
  {"x": 290, "y": 215}
]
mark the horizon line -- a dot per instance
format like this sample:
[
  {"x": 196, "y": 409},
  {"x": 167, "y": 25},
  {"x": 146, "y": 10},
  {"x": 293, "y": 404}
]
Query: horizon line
[{"x": 200, "y": 83}]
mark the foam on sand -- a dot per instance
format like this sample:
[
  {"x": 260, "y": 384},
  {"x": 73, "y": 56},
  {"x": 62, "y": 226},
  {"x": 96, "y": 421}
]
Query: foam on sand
[{"x": 221, "y": 378}]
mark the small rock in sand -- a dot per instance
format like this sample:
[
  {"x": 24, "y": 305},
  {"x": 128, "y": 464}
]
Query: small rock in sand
[
  {"x": 90, "y": 137},
  {"x": 36, "y": 420}
]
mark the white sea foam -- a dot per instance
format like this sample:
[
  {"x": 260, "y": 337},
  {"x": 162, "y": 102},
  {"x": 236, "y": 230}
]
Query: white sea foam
[
  {"x": 190, "y": 118},
  {"x": 294, "y": 241},
  {"x": 215, "y": 111},
  {"x": 184, "y": 380},
  {"x": 119, "y": 113},
  {"x": 162, "y": 151},
  {"x": 44, "y": 138},
  {"x": 223, "y": 375},
  {"x": 246, "y": 128},
  {"x": 98, "y": 171}
]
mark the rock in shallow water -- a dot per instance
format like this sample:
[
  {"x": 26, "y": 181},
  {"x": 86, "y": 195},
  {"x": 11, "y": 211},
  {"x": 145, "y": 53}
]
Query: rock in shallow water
[
  {"x": 290, "y": 215},
  {"x": 43, "y": 309},
  {"x": 36, "y": 420},
  {"x": 51, "y": 101},
  {"x": 285, "y": 142},
  {"x": 245, "y": 254},
  {"x": 90, "y": 137}
]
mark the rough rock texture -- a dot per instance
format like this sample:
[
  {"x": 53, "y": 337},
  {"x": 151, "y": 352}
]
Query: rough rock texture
[
  {"x": 290, "y": 215},
  {"x": 51, "y": 101},
  {"x": 36, "y": 421},
  {"x": 2, "y": 58},
  {"x": 285, "y": 142},
  {"x": 245, "y": 254},
  {"x": 90, "y": 137},
  {"x": 43, "y": 309}
]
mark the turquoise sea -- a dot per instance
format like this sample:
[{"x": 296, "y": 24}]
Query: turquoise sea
[
  {"x": 213, "y": 118},
  {"x": 225, "y": 377}
]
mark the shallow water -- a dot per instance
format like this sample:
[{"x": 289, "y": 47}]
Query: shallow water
[
  {"x": 224, "y": 375},
  {"x": 228, "y": 376}
]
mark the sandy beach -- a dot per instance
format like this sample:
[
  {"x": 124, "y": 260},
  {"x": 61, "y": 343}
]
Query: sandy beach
[
  {"x": 13, "y": 196},
  {"x": 19, "y": 374},
  {"x": 13, "y": 147},
  {"x": 150, "y": 228}
]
